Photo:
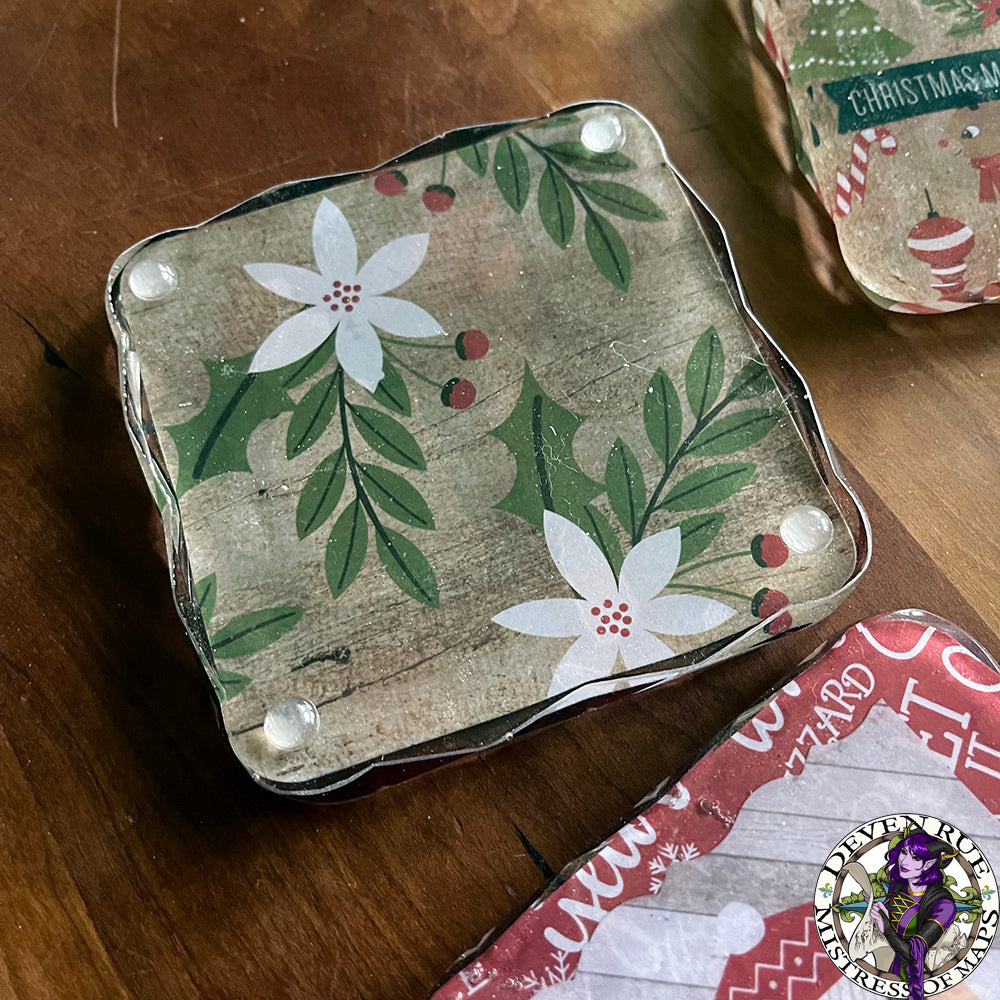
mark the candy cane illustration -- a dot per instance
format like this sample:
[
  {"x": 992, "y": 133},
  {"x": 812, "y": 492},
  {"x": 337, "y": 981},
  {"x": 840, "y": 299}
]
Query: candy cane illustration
[{"x": 852, "y": 184}]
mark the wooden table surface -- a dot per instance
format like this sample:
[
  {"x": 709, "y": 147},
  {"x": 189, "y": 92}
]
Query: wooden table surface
[{"x": 136, "y": 857}]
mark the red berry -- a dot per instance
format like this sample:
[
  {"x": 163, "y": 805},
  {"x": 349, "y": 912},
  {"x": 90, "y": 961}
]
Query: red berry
[
  {"x": 458, "y": 393},
  {"x": 768, "y": 550},
  {"x": 471, "y": 345},
  {"x": 391, "y": 183},
  {"x": 438, "y": 198},
  {"x": 780, "y": 624},
  {"x": 768, "y": 602}
]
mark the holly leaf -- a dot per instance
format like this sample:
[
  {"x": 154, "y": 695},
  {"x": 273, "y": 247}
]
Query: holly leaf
[
  {"x": 697, "y": 533},
  {"x": 708, "y": 487},
  {"x": 388, "y": 437},
  {"x": 391, "y": 391},
  {"x": 624, "y": 201},
  {"x": 539, "y": 434},
  {"x": 346, "y": 548},
  {"x": 254, "y": 631},
  {"x": 576, "y": 154},
  {"x": 321, "y": 493},
  {"x": 215, "y": 440},
  {"x": 511, "y": 172},
  {"x": 312, "y": 416},
  {"x": 734, "y": 432},
  {"x": 205, "y": 592},
  {"x": 407, "y": 566},
  {"x": 626, "y": 486},
  {"x": 475, "y": 157},
  {"x": 661, "y": 414},
  {"x": 555, "y": 206},
  {"x": 706, "y": 367},
  {"x": 608, "y": 250}
]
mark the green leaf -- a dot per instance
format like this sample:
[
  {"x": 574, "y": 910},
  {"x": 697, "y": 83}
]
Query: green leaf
[
  {"x": 539, "y": 434},
  {"x": 511, "y": 172},
  {"x": 391, "y": 391},
  {"x": 706, "y": 367},
  {"x": 346, "y": 548},
  {"x": 321, "y": 493},
  {"x": 475, "y": 157},
  {"x": 576, "y": 154},
  {"x": 556, "y": 207},
  {"x": 592, "y": 521},
  {"x": 312, "y": 416},
  {"x": 608, "y": 250},
  {"x": 753, "y": 379},
  {"x": 407, "y": 566},
  {"x": 297, "y": 372},
  {"x": 697, "y": 533},
  {"x": 388, "y": 437},
  {"x": 624, "y": 201},
  {"x": 228, "y": 684},
  {"x": 558, "y": 121},
  {"x": 661, "y": 413},
  {"x": 708, "y": 487},
  {"x": 734, "y": 432},
  {"x": 253, "y": 631},
  {"x": 626, "y": 487},
  {"x": 396, "y": 496},
  {"x": 205, "y": 591},
  {"x": 214, "y": 441}
]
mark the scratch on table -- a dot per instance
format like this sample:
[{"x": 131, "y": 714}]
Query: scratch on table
[
  {"x": 38, "y": 62},
  {"x": 115, "y": 53}
]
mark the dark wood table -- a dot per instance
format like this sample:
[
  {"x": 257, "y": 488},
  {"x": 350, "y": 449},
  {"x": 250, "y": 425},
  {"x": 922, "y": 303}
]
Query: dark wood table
[{"x": 136, "y": 857}]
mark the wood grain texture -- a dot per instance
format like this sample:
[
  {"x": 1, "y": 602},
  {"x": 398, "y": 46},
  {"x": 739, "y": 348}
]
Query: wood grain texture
[{"x": 137, "y": 859}]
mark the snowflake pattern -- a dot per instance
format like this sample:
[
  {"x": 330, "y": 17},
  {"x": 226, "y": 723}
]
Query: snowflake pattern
[
  {"x": 550, "y": 975},
  {"x": 665, "y": 857}
]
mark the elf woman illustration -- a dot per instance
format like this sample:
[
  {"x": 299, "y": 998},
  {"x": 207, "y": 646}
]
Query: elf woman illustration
[{"x": 911, "y": 929}]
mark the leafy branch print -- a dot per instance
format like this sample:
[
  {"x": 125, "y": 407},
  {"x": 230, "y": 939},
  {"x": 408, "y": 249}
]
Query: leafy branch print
[{"x": 569, "y": 179}]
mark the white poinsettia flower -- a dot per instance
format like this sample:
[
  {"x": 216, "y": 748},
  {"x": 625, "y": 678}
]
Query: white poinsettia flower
[
  {"x": 613, "y": 617},
  {"x": 341, "y": 296}
]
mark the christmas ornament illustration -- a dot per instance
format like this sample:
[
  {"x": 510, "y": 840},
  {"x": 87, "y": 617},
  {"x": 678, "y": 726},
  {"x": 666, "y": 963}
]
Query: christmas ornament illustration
[
  {"x": 852, "y": 184},
  {"x": 943, "y": 243}
]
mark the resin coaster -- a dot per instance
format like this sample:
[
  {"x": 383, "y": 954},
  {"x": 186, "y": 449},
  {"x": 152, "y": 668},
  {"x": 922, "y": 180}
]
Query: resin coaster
[
  {"x": 897, "y": 127},
  {"x": 448, "y": 447},
  {"x": 765, "y": 872}
]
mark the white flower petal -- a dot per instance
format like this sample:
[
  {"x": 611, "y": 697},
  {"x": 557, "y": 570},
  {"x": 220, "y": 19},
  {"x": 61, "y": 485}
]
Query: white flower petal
[
  {"x": 556, "y": 616},
  {"x": 289, "y": 281},
  {"x": 293, "y": 339},
  {"x": 333, "y": 243},
  {"x": 650, "y": 565},
  {"x": 587, "y": 659},
  {"x": 639, "y": 649},
  {"x": 360, "y": 351},
  {"x": 578, "y": 558},
  {"x": 683, "y": 614},
  {"x": 393, "y": 264},
  {"x": 399, "y": 317}
]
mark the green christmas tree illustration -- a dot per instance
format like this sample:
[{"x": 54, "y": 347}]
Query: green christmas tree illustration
[{"x": 843, "y": 38}]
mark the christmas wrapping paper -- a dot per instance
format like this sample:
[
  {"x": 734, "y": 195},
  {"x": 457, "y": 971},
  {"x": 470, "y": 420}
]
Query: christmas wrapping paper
[
  {"x": 729, "y": 883},
  {"x": 896, "y": 119}
]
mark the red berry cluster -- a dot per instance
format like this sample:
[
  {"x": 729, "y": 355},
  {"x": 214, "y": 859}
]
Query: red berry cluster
[
  {"x": 768, "y": 550},
  {"x": 436, "y": 197},
  {"x": 768, "y": 602},
  {"x": 460, "y": 393}
]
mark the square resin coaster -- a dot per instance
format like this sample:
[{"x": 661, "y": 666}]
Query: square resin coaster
[
  {"x": 839, "y": 841},
  {"x": 897, "y": 127},
  {"x": 448, "y": 447}
]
